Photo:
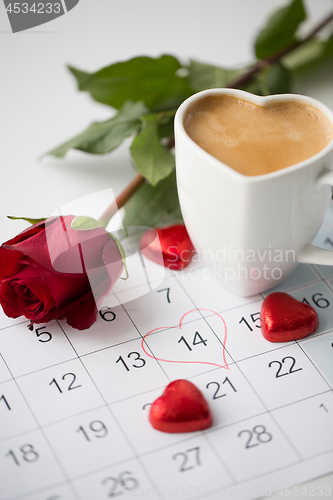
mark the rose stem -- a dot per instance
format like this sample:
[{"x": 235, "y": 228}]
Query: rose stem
[
  {"x": 122, "y": 199},
  {"x": 278, "y": 55},
  {"x": 264, "y": 63}
]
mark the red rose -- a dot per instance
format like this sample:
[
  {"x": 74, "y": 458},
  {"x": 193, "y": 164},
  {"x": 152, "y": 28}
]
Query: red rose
[{"x": 52, "y": 271}]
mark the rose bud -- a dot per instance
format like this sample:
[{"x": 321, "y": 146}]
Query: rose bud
[
  {"x": 53, "y": 271},
  {"x": 173, "y": 242}
]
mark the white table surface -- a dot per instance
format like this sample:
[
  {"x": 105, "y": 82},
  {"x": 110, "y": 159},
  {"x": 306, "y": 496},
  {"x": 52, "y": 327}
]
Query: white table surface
[{"x": 40, "y": 106}]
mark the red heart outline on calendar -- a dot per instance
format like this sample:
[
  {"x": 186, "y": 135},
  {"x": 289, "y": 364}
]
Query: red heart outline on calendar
[{"x": 179, "y": 327}]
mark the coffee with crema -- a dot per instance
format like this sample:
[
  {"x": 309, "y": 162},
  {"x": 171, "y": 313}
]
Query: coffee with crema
[{"x": 257, "y": 140}]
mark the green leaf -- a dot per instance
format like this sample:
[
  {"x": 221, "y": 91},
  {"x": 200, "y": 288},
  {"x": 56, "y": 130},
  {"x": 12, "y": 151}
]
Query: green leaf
[
  {"x": 303, "y": 55},
  {"x": 205, "y": 76},
  {"x": 28, "y": 219},
  {"x": 150, "y": 205},
  {"x": 276, "y": 79},
  {"x": 83, "y": 223},
  {"x": 156, "y": 82},
  {"x": 152, "y": 160},
  {"x": 309, "y": 55},
  {"x": 280, "y": 29},
  {"x": 103, "y": 137},
  {"x": 165, "y": 123},
  {"x": 328, "y": 47},
  {"x": 253, "y": 86},
  {"x": 166, "y": 128}
]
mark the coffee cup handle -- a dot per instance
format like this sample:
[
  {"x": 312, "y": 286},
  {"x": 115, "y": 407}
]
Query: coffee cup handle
[{"x": 310, "y": 253}]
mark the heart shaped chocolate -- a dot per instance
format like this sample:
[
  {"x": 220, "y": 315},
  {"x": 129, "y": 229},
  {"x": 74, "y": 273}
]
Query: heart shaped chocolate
[
  {"x": 181, "y": 408},
  {"x": 284, "y": 318},
  {"x": 259, "y": 135},
  {"x": 173, "y": 242}
]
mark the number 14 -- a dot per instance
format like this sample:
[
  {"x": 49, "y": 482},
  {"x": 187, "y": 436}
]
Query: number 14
[{"x": 197, "y": 339}]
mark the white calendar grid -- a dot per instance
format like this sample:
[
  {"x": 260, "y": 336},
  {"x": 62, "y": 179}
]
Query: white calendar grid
[{"x": 74, "y": 404}]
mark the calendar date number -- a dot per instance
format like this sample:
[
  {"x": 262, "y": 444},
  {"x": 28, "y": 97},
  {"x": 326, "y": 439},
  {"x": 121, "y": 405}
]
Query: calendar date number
[
  {"x": 197, "y": 340},
  {"x": 217, "y": 388},
  {"x": 285, "y": 367},
  {"x": 256, "y": 436},
  {"x": 317, "y": 300},
  {"x": 188, "y": 459},
  {"x": 107, "y": 314},
  {"x": 71, "y": 381},
  {"x": 5, "y": 402},
  {"x": 43, "y": 336},
  {"x": 95, "y": 429},
  {"x": 26, "y": 453},
  {"x": 121, "y": 484},
  {"x": 253, "y": 321}
]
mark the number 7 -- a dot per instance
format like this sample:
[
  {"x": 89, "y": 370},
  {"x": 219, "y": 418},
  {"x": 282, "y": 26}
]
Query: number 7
[{"x": 168, "y": 293}]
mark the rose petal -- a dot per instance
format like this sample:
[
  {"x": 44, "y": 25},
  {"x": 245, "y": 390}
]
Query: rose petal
[
  {"x": 9, "y": 262},
  {"x": 28, "y": 233},
  {"x": 60, "y": 248},
  {"x": 8, "y": 299},
  {"x": 83, "y": 315},
  {"x": 36, "y": 269}
]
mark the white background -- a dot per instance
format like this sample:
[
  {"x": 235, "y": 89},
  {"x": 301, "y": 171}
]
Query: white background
[{"x": 40, "y": 106}]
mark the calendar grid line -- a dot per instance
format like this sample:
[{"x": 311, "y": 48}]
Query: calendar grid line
[
  {"x": 300, "y": 287},
  {"x": 41, "y": 429},
  {"x": 17, "y": 377},
  {"x": 258, "y": 476},
  {"x": 55, "y": 422},
  {"x": 141, "y": 336},
  {"x": 314, "y": 364},
  {"x": 219, "y": 458},
  {"x": 109, "y": 347},
  {"x": 29, "y": 493},
  {"x": 220, "y": 311},
  {"x": 204, "y": 318},
  {"x": 116, "y": 421},
  {"x": 315, "y": 335},
  {"x": 145, "y": 270},
  {"x": 133, "y": 287},
  {"x": 329, "y": 286},
  {"x": 263, "y": 403},
  {"x": 11, "y": 326},
  {"x": 234, "y": 483},
  {"x": 270, "y": 414},
  {"x": 101, "y": 469},
  {"x": 273, "y": 409},
  {"x": 257, "y": 409},
  {"x": 265, "y": 412},
  {"x": 317, "y": 271}
]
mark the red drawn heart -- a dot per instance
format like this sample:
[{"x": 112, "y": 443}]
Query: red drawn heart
[
  {"x": 174, "y": 243},
  {"x": 181, "y": 408},
  {"x": 284, "y": 318},
  {"x": 224, "y": 365}
]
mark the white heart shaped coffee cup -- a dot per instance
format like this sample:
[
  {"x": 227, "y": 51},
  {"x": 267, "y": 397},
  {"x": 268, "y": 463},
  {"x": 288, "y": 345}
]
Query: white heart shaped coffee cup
[{"x": 252, "y": 230}]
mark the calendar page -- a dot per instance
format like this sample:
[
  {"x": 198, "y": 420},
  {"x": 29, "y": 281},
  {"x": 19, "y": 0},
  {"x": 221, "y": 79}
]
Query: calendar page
[{"x": 74, "y": 405}]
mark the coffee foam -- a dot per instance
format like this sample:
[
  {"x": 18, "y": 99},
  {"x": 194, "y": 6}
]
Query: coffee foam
[{"x": 256, "y": 140}]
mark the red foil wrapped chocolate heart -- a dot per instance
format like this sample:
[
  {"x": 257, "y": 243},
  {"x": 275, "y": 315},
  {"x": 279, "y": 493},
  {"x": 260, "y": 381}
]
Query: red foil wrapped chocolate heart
[
  {"x": 284, "y": 318},
  {"x": 174, "y": 243},
  {"x": 181, "y": 408}
]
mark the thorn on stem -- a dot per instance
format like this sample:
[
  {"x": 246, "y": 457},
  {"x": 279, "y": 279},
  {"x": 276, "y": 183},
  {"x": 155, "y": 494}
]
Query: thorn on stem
[{"x": 31, "y": 325}]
